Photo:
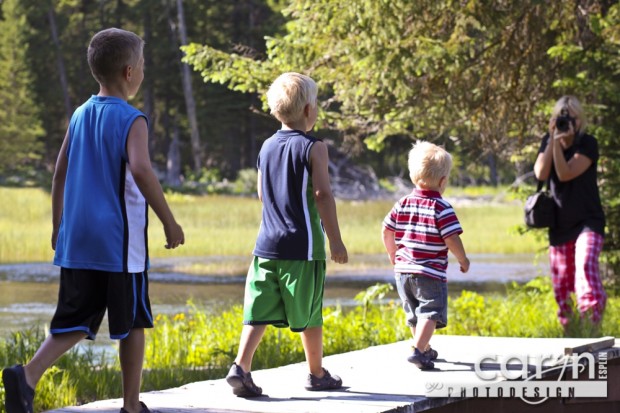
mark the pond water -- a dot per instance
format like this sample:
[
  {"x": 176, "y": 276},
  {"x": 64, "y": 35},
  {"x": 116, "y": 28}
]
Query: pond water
[{"x": 28, "y": 292}]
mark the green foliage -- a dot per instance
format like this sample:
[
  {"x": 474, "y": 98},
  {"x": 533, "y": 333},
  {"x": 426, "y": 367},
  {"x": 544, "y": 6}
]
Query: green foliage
[
  {"x": 20, "y": 127},
  {"x": 197, "y": 345},
  {"x": 226, "y": 226}
]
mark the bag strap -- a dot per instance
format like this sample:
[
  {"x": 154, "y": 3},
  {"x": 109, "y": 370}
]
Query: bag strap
[{"x": 540, "y": 185}]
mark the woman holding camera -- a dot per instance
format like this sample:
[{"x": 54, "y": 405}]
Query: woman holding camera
[{"x": 568, "y": 159}]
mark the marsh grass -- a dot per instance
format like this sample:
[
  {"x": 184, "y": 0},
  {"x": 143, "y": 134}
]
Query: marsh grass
[
  {"x": 227, "y": 226},
  {"x": 197, "y": 345}
]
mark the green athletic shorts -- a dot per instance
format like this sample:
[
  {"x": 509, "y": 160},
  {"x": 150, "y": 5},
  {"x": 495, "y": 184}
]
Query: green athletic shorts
[{"x": 284, "y": 293}]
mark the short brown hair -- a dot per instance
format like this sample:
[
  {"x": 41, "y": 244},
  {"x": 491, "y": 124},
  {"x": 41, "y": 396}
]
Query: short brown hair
[{"x": 110, "y": 51}]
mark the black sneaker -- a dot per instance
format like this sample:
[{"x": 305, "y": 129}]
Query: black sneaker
[
  {"x": 327, "y": 382},
  {"x": 421, "y": 360},
  {"x": 18, "y": 395},
  {"x": 143, "y": 409},
  {"x": 431, "y": 354},
  {"x": 242, "y": 383}
]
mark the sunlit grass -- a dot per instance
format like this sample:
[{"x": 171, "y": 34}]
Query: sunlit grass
[
  {"x": 198, "y": 345},
  {"x": 227, "y": 226}
]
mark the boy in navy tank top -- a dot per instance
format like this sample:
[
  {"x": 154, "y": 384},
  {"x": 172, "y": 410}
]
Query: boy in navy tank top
[
  {"x": 102, "y": 187},
  {"x": 285, "y": 281}
]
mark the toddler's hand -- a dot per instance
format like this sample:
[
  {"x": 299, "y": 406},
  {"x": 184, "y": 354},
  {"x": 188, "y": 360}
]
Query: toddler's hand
[{"x": 464, "y": 265}]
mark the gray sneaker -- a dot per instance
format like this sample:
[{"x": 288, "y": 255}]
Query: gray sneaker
[
  {"x": 421, "y": 361},
  {"x": 431, "y": 354},
  {"x": 327, "y": 382},
  {"x": 242, "y": 383}
]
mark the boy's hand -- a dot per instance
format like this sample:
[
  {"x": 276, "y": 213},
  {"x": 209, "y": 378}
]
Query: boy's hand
[
  {"x": 54, "y": 238},
  {"x": 338, "y": 252},
  {"x": 464, "y": 265},
  {"x": 174, "y": 235}
]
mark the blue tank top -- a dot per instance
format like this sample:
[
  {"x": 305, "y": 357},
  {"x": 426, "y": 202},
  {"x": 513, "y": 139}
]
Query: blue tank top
[
  {"x": 104, "y": 219},
  {"x": 290, "y": 228}
]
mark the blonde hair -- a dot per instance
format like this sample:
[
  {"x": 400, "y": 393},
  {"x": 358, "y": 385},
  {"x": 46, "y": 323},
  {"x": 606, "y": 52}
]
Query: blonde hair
[
  {"x": 574, "y": 107},
  {"x": 289, "y": 94},
  {"x": 110, "y": 51},
  {"x": 428, "y": 163}
]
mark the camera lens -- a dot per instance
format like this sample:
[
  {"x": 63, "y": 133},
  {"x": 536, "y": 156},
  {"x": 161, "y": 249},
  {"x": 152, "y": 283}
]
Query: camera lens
[{"x": 562, "y": 123}]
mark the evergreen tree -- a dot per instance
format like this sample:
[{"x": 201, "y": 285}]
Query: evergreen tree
[{"x": 20, "y": 127}]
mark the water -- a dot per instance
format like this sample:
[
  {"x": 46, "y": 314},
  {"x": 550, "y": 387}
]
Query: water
[{"x": 28, "y": 292}]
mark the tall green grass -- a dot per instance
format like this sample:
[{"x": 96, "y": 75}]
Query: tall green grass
[
  {"x": 227, "y": 226},
  {"x": 196, "y": 345}
]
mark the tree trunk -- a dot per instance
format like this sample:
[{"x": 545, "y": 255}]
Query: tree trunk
[
  {"x": 173, "y": 166},
  {"x": 147, "y": 89},
  {"x": 60, "y": 62},
  {"x": 189, "y": 94}
]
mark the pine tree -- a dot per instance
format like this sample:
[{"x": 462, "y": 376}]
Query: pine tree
[{"x": 20, "y": 127}]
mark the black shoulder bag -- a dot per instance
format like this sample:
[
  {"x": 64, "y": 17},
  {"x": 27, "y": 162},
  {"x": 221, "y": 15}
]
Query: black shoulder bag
[{"x": 540, "y": 208}]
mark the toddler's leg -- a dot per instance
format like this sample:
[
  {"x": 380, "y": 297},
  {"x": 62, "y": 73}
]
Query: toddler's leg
[{"x": 423, "y": 332}]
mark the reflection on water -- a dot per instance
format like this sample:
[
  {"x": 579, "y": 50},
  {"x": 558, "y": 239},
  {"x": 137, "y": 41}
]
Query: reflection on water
[{"x": 28, "y": 292}]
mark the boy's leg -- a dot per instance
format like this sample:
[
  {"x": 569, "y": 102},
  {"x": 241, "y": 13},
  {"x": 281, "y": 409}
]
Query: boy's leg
[
  {"x": 312, "y": 340},
  {"x": 131, "y": 354},
  {"x": 51, "y": 349},
  {"x": 20, "y": 381},
  {"x": 251, "y": 335}
]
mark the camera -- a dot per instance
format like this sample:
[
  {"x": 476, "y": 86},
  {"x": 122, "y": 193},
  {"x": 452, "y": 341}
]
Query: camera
[{"x": 563, "y": 121}]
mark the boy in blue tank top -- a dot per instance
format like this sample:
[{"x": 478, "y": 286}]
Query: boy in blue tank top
[
  {"x": 285, "y": 281},
  {"x": 102, "y": 187}
]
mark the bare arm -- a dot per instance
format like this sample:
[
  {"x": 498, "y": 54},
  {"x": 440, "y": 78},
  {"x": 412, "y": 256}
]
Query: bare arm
[
  {"x": 455, "y": 245},
  {"x": 325, "y": 202},
  {"x": 544, "y": 162},
  {"x": 553, "y": 156},
  {"x": 390, "y": 243},
  {"x": 58, "y": 189},
  {"x": 140, "y": 167},
  {"x": 259, "y": 187},
  {"x": 576, "y": 165}
]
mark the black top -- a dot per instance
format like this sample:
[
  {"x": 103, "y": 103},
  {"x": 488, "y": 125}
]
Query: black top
[{"x": 578, "y": 201}]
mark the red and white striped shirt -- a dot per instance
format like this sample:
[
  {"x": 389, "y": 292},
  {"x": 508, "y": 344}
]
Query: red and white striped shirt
[{"x": 420, "y": 222}]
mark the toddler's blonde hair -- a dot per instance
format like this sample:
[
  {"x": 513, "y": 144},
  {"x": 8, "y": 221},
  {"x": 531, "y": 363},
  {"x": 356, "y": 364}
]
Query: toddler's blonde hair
[
  {"x": 428, "y": 163},
  {"x": 289, "y": 94}
]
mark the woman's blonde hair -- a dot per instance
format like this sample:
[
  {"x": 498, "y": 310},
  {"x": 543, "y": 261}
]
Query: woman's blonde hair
[
  {"x": 574, "y": 107},
  {"x": 289, "y": 94},
  {"x": 428, "y": 163}
]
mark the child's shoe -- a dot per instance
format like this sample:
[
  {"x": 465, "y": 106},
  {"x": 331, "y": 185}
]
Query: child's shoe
[
  {"x": 242, "y": 383},
  {"x": 431, "y": 354},
  {"x": 143, "y": 409},
  {"x": 327, "y": 382},
  {"x": 421, "y": 360},
  {"x": 18, "y": 394}
]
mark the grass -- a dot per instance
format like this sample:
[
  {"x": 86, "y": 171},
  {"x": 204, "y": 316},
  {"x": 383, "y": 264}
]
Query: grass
[
  {"x": 227, "y": 226},
  {"x": 197, "y": 345}
]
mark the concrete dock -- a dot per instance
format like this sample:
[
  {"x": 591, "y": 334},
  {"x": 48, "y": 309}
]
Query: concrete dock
[{"x": 379, "y": 379}]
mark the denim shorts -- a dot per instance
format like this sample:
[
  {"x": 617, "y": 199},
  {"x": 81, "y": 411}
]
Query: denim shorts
[{"x": 423, "y": 297}]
